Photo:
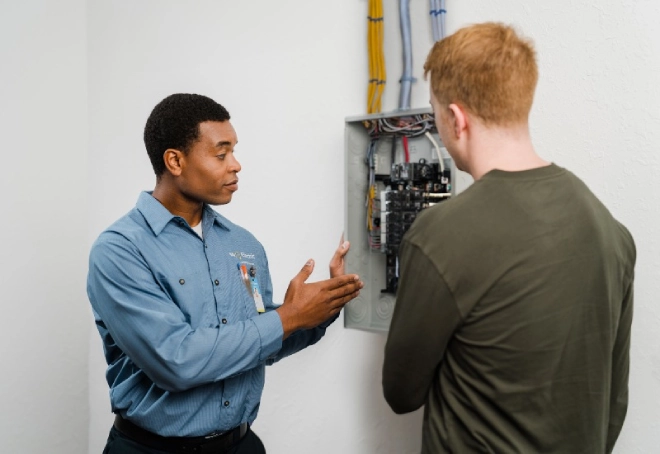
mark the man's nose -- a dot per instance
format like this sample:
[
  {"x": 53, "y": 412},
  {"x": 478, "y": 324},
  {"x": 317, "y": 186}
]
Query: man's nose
[{"x": 234, "y": 165}]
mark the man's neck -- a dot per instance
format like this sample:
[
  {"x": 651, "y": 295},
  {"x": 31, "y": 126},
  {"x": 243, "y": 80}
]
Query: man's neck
[
  {"x": 503, "y": 148},
  {"x": 177, "y": 204}
]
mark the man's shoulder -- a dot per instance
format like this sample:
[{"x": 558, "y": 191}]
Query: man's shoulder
[
  {"x": 131, "y": 227},
  {"x": 605, "y": 217}
]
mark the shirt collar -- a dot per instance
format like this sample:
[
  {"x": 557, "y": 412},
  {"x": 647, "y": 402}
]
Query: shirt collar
[
  {"x": 217, "y": 217},
  {"x": 157, "y": 216}
]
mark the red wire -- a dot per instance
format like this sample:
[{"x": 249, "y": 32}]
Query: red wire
[{"x": 405, "y": 148}]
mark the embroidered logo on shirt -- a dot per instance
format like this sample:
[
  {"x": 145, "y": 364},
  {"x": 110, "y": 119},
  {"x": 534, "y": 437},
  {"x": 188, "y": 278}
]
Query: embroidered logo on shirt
[{"x": 241, "y": 255}]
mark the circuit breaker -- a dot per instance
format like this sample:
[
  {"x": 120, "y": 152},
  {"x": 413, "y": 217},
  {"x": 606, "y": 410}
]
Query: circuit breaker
[{"x": 396, "y": 167}]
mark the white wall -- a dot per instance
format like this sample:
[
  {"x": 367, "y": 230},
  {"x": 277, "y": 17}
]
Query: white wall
[
  {"x": 289, "y": 74},
  {"x": 44, "y": 324},
  {"x": 597, "y": 112}
]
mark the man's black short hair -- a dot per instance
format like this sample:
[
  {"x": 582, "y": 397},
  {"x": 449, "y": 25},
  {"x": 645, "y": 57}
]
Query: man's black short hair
[{"x": 174, "y": 123}]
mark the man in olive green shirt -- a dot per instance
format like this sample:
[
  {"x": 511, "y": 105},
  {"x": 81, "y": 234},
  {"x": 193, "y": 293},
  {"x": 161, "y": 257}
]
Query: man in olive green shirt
[{"x": 513, "y": 313}]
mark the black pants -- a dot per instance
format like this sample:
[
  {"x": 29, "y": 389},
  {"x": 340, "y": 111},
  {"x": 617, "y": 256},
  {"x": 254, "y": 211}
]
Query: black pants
[{"x": 118, "y": 443}]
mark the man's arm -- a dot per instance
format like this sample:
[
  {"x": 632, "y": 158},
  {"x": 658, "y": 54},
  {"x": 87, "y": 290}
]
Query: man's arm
[
  {"x": 425, "y": 318},
  {"x": 620, "y": 372},
  {"x": 148, "y": 326},
  {"x": 154, "y": 333}
]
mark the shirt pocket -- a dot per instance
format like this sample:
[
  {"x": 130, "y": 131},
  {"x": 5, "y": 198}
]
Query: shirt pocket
[{"x": 192, "y": 291}]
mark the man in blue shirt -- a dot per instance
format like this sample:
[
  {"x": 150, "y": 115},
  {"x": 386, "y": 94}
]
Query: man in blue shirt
[{"x": 182, "y": 297}]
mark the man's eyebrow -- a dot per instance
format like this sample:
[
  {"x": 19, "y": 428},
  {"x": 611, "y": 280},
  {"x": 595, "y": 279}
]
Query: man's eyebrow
[{"x": 224, "y": 144}]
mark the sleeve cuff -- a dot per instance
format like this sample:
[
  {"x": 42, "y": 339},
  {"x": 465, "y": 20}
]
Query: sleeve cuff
[{"x": 270, "y": 330}]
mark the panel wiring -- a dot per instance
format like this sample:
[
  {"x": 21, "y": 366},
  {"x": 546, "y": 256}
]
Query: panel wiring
[
  {"x": 394, "y": 198},
  {"x": 372, "y": 202},
  {"x": 437, "y": 150}
]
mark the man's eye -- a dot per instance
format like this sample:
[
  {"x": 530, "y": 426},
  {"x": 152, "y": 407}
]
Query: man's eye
[{"x": 221, "y": 156}]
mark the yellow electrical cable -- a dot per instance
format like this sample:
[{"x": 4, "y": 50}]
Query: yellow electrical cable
[
  {"x": 369, "y": 211},
  {"x": 376, "y": 57},
  {"x": 380, "y": 56},
  {"x": 377, "y": 14},
  {"x": 371, "y": 196},
  {"x": 372, "y": 60}
]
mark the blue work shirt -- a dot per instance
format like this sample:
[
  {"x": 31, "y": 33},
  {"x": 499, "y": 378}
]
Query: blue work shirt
[{"x": 185, "y": 346}]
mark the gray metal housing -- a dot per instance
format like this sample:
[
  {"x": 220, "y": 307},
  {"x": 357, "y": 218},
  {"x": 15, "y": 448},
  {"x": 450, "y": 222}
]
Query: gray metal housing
[{"x": 372, "y": 310}]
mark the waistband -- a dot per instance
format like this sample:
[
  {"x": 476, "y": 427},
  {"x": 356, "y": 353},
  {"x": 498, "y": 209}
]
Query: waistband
[{"x": 216, "y": 442}]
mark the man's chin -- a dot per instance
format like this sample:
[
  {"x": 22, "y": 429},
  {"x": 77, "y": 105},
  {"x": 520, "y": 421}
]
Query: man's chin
[{"x": 223, "y": 200}]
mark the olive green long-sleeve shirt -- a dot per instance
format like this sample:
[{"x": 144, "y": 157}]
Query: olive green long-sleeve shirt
[{"x": 512, "y": 319}]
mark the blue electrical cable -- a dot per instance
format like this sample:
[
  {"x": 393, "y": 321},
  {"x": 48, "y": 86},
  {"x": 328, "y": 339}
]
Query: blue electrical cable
[
  {"x": 406, "y": 36},
  {"x": 434, "y": 22},
  {"x": 438, "y": 13},
  {"x": 442, "y": 11}
]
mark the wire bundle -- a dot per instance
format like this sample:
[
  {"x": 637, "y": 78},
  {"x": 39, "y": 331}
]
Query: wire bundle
[
  {"x": 372, "y": 202},
  {"x": 438, "y": 12},
  {"x": 404, "y": 127},
  {"x": 377, "y": 76},
  {"x": 410, "y": 126}
]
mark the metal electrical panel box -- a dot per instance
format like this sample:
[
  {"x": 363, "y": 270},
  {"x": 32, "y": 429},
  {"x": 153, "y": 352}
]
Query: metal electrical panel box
[{"x": 388, "y": 180}]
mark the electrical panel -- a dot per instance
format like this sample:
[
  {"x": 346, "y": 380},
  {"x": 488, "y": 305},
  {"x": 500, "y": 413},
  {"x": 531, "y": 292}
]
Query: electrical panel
[{"x": 396, "y": 167}]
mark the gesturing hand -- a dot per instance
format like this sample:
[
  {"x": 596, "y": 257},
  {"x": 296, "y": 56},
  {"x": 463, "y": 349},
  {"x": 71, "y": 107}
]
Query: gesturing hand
[{"x": 307, "y": 305}]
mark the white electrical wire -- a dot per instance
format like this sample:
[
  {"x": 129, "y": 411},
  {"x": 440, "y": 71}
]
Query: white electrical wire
[
  {"x": 437, "y": 195},
  {"x": 426, "y": 124},
  {"x": 437, "y": 150}
]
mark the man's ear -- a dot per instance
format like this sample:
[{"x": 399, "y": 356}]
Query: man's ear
[
  {"x": 458, "y": 119},
  {"x": 173, "y": 160}
]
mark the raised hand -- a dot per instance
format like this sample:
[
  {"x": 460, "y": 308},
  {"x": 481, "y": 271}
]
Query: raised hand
[{"x": 306, "y": 305}]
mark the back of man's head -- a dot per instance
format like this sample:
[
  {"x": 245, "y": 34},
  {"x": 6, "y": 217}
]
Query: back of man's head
[{"x": 487, "y": 69}]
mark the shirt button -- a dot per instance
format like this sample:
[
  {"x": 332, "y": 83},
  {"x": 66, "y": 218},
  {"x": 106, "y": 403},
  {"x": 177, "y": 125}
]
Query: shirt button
[
  {"x": 226, "y": 403},
  {"x": 224, "y": 321},
  {"x": 217, "y": 282},
  {"x": 182, "y": 281}
]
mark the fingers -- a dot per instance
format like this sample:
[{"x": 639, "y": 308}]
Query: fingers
[
  {"x": 346, "y": 299},
  {"x": 305, "y": 272},
  {"x": 343, "y": 248},
  {"x": 341, "y": 241},
  {"x": 339, "y": 281},
  {"x": 341, "y": 300},
  {"x": 340, "y": 252},
  {"x": 337, "y": 265},
  {"x": 343, "y": 291}
]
